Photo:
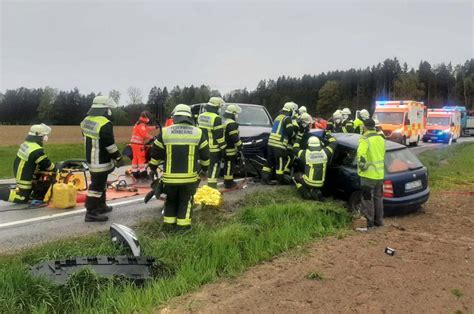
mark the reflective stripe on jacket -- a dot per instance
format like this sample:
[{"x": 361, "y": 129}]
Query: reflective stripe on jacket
[
  {"x": 358, "y": 126},
  {"x": 140, "y": 134},
  {"x": 181, "y": 148},
  {"x": 232, "y": 138},
  {"x": 99, "y": 143},
  {"x": 29, "y": 158},
  {"x": 371, "y": 156},
  {"x": 315, "y": 162},
  {"x": 211, "y": 124},
  {"x": 282, "y": 131}
]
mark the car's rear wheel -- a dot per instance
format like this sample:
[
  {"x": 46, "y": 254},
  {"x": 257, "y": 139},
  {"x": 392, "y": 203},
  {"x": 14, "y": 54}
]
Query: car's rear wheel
[{"x": 355, "y": 202}]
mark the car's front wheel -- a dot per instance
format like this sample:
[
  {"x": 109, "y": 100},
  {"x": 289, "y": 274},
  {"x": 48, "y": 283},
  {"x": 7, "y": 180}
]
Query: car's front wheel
[{"x": 355, "y": 202}]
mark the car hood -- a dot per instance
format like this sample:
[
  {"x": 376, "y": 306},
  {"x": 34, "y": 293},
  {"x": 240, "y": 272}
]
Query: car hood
[{"x": 249, "y": 131}]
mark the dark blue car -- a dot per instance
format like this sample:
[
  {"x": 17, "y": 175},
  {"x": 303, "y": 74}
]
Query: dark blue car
[{"x": 406, "y": 179}]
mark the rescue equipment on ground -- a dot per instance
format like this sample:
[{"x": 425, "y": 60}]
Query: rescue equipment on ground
[
  {"x": 64, "y": 195},
  {"x": 75, "y": 172},
  {"x": 208, "y": 196}
]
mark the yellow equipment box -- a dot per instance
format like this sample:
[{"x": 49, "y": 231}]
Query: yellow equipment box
[{"x": 64, "y": 195}]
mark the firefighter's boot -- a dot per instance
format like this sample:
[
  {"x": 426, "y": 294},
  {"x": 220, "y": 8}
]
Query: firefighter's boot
[
  {"x": 266, "y": 178},
  {"x": 94, "y": 209},
  {"x": 102, "y": 207},
  {"x": 212, "y": 185},
  {"x": 95, "y": 216},
  {"x": 229, "y": 184}
]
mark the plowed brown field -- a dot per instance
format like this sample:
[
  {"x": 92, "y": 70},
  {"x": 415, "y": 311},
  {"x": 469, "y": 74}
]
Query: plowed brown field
[{"x": 70, "y": 134}]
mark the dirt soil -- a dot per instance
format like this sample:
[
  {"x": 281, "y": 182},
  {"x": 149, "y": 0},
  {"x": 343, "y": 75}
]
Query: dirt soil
[{"x": 432, "y": 270}]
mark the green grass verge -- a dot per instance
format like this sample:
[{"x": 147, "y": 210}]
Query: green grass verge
[
  {"x": 451, "y": 167},
  {"x": 56, "y": 152},
  {"x": 269, "y": 224}
]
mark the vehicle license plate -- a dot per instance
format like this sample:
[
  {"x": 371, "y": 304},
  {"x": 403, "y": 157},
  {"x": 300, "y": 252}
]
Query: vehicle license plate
[
  {"x": 412, "y": 185},
  {"x": 434, "y": 137}
]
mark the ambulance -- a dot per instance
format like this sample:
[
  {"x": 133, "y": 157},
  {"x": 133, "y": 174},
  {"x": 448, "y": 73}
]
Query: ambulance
[
  {"x": 402, "y": 121},
  {"x": 443, "y": 125}
]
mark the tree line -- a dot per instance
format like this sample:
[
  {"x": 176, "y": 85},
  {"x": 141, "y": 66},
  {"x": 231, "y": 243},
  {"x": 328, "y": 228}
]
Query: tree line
[{"x": 322, "y": 94}]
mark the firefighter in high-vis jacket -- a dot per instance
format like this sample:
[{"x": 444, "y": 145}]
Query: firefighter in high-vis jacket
[
  {"x": 378, "y": 128},
  {"x": 347, "y": 125},
  {"x": 334, "y": 120},
  {"x": 211, "y": 124},
  {"x": 304, "y": 125},
  {"x": 277, "y": 156},
  {"x": 370, "y": 167},
  {"x": 102, "y": 155},
  {"x": 183, "y": 149},
  {"x": 359, "y": 122},
  {"x": 233, "y": 144},
  {"x": 30, "y": 158},
  {"x": 140, "y": 137},
  {"x": 314, "y": 160}
]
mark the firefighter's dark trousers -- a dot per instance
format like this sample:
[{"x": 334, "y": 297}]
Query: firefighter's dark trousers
[
  {"x": 306, "y": 191},
  {"x": 372, "y": 201},
  {"x": 96, "y": 195},
  {"x": 179, "y": 204},
  {"x": 229, "y": 165},
  {"x": 15, "y": 195},
  {"x": 214, "y": 168},
  {"x": 277, "y": 160}
]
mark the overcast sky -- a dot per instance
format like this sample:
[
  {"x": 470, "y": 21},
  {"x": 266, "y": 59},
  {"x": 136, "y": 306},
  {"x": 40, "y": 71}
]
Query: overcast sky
[{"x": 104, "y": 45}]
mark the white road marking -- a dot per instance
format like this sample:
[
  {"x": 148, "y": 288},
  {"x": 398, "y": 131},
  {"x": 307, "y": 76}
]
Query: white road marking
[
  {"x": 74, "y": 212},
  {"x": 61, "y": 215}
]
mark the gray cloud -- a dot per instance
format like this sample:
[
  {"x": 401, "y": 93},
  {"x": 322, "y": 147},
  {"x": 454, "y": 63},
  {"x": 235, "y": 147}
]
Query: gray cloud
[{"x": 98, "y": 46}]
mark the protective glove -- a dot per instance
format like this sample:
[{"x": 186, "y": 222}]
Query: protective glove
[
  {"x": 119, "y": 162},
  {"x": 153, "y": 174}
]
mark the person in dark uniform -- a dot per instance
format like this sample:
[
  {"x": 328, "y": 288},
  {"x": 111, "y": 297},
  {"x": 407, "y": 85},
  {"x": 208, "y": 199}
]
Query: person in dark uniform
[
  {"x": 233, "y": 144},
  {"x": 30, "y": 159},
  {"x": 211, "y": 124},
  {"x": 102, "y": 155},
  {"x": 315, "y": 159},
  {"x": 277, "y": 157},
  {"x": 182, "y": 149}
]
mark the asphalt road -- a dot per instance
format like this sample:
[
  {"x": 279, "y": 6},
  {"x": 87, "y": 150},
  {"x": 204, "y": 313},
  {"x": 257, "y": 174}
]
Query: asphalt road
[{"x": 20, "y": 228}]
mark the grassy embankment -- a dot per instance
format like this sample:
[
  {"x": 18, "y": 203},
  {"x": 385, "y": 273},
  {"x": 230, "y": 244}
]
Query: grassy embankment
[
  {"x": 220, "y": 245},
  {"x": 450, "y": 168},
  {"x": 56, "y": 152}
]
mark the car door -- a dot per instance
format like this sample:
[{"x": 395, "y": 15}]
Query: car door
[{"x": 342, "y": 172}]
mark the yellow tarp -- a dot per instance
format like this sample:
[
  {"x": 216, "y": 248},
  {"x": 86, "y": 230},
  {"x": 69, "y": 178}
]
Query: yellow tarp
[{"x": 207, "y": 196}]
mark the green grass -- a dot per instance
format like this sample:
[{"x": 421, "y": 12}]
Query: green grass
[
  {"x": 450, "y": 168},
  {"x": 315, "y": 275},
  {"x": 457, "y": 293},
  {"x": 268, "y": 225},
  {"x": 56, "y": 152}
]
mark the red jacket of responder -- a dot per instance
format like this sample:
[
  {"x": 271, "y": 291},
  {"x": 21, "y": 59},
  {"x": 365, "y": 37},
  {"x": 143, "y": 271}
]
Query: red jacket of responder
[{"x": 140, "y": 133}]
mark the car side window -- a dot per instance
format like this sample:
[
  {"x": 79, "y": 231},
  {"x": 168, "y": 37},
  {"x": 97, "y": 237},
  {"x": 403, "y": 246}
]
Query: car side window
[{"x": 345, "y": 156}]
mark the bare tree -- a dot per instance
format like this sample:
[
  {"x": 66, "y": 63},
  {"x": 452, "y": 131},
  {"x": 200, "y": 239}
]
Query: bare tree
[
  {"x": 135, "y": 96},
  {"x": 115, "y": 95}
]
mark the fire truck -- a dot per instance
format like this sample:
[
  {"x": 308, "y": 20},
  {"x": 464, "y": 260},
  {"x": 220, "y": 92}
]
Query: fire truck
[
  {"x": 443, "y": 125},
  {"x": 402, "y": 121}
]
